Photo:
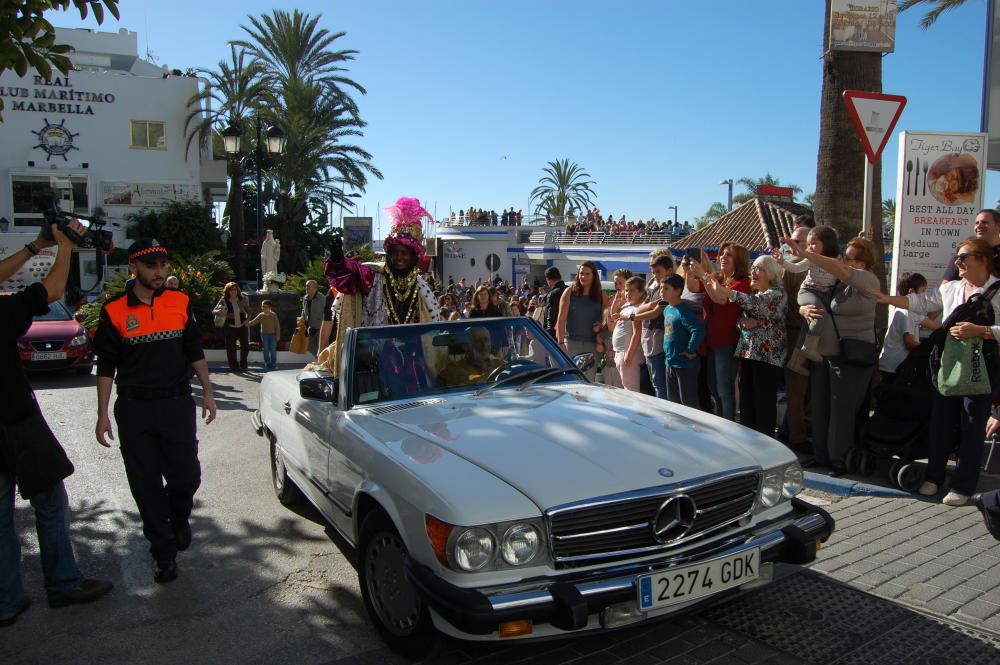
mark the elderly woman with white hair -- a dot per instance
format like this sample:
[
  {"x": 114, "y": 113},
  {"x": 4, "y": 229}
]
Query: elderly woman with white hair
[{"x": 762, "y": 342}]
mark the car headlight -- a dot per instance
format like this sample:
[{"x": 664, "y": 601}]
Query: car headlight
[
  {"x": 79, "y": 340},
  {"x": 770, "y": 491},
  {"x": 520, "y": 544},
  {"x": 474, "y": 549},
  {"x": 794, "y": 480}
]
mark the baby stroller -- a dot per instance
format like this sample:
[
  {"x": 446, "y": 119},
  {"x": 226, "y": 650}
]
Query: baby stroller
[{"x": 898, "y": 429}]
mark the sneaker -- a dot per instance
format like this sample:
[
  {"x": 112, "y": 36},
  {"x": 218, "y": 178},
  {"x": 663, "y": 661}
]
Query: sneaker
[
  {"x": 165, "y": 572},
  {"x": 928, "y": 488},
  {"x": 953, "y": 498},
  {"x": 86, "y": 591}
]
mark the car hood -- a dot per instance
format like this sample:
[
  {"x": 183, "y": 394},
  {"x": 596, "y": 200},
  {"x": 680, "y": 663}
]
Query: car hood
[
  {"x": 52, "y": 330},
  {"x": 560, "y": 443}
]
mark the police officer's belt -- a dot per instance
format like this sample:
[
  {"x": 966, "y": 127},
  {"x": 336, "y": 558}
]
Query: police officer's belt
[{"x": 143, "y": 393}]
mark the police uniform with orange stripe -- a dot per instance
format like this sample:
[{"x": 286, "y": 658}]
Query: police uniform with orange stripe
[{"x": 149, "y": 349}]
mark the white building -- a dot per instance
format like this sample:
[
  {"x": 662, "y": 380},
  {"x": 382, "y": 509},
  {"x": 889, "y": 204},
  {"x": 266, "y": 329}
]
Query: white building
[{"x": 110, "y": 136}]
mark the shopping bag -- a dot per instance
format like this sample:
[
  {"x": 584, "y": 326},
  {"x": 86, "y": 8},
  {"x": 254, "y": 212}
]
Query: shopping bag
[
  {"x": 300, "y": 341},
  {"x": 963, "y": 370}
]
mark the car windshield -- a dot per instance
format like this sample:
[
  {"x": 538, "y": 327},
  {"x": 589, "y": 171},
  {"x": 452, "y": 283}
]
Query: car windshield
[
  {"x": 400, "y": 362},
  {"x": 57, "y": 312}
]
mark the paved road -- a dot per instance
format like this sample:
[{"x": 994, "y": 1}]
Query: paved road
[{"x": 262, "y": 584}]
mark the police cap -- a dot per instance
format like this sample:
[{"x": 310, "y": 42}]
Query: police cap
[{"x": 147, "y": 250}]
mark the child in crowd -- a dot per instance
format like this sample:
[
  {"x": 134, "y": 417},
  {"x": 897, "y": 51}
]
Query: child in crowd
[
  {"x": 815, "y": 290},
  {"x": 683, "y": 331},
  {"x": 270, "y": 334},
  {"x": 626, "y": 335},
  {"x": 904, "y": 329}
]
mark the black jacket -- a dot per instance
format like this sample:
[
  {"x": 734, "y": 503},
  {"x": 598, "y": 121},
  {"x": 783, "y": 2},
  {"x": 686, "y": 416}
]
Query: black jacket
[
  {"x": 28, "y": 449},
  {"x": 552, "y": 306}
]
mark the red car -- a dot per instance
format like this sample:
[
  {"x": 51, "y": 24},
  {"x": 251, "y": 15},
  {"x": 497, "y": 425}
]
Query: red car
[{"x": 56, "y": 341}]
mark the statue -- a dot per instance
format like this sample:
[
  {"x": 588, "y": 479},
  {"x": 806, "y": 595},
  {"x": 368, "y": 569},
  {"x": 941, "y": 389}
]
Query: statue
[{"x": 270, "y": 251}]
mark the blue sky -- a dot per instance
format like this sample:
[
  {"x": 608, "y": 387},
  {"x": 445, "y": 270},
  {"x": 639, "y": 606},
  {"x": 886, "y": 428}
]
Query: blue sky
[{"x": 659, "y": 100}]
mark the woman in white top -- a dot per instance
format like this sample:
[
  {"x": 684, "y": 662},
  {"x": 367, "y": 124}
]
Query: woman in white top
[{"x": 968, "y": 415}]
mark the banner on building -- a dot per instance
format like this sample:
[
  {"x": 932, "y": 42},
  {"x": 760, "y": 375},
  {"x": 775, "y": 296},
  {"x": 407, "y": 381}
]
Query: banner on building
[
  {"x": 863, "y": 25},
  {"x": 357, "y": 231},
  {"x": 939, "y": 190},
  {"x": 147, "y": 194}
]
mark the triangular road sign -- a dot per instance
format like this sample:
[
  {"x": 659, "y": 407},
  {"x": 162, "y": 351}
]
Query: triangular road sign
[{"x": 874, "y": 116}]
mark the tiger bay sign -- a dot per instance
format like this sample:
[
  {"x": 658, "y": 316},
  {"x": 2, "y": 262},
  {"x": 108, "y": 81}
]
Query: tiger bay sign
[{"x": 54, "y": 96}]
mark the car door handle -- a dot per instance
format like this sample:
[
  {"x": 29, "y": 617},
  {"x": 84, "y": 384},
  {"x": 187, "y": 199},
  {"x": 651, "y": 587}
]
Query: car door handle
[{"x": 288, "y": 407}]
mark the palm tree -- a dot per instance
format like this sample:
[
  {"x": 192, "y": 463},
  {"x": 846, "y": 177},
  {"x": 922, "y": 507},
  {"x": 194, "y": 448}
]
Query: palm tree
[
  {"x": 565, "y": 188},
  {"x": 233, "y": 92},
  {"x": 940, "y": 6},
  {"x": 889, "y": 211},
  {"x": 751, "y": 185}
]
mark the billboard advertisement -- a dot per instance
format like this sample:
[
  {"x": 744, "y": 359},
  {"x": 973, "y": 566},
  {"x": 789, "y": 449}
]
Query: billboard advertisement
[
  {"x": 863, "y": 25},
  {"x": 939, "y": 190},
  {"x": 147, "y": 194},
  {"x": 357, "y": 231}
]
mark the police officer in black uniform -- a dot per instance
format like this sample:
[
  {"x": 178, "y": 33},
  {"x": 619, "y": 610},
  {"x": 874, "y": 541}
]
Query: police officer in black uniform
[{"x": 148, "y": 343}]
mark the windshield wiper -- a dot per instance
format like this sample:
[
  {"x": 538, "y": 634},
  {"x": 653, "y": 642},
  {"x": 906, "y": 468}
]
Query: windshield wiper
[
  {"x": 554, "y": 372},
  {"x": 510, "y": 379}
]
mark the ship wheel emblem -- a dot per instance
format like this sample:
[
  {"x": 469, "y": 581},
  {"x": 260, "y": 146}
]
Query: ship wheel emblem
[{"x": 55, "y": 140}]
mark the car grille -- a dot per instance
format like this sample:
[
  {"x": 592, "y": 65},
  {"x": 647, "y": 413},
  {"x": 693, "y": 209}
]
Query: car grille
[
  {"x": 623, "y": 526},
  {"x": 392, "y": 408},
  {"x": 55, "y": 345}
]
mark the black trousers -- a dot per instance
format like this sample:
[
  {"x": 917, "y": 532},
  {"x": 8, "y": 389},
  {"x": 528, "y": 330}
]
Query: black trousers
[
  {"x": 159, "y": 443},
  {"x": 232, "y": 335},
  {"x": 957, "y": 424},
  {"x": 759, "y": 395}
]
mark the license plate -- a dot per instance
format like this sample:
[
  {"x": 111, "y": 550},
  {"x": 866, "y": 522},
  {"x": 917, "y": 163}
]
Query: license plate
[
  {"x": 54, "y": 355},
  {"x": 687, "y": 583}
]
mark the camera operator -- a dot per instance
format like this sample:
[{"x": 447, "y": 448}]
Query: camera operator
[{"x": 30, "y": 455}]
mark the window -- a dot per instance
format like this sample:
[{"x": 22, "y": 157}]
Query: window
[
  {"x": 32, "y": 194},
  {"x": 149, "y": 134}
]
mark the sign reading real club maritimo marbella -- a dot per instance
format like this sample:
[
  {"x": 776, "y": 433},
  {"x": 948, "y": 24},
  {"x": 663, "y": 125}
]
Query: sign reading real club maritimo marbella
[
  {"x": 863, "y": 25},
  {"x": 939, "y": 190},
  {"x": 53, "y": 96}
]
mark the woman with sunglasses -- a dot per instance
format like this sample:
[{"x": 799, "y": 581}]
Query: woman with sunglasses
[{"x": 977, "y": 269}]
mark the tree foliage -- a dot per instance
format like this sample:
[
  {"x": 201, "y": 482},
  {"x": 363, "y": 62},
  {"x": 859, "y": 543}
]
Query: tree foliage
[
  {"x": 565, "y": 188},
  {"x": 714, "y": 212},
  {"x": 751, "y": 185},
  {"x": 183, "y": 227},
  {"x": 938, "y": 7}
]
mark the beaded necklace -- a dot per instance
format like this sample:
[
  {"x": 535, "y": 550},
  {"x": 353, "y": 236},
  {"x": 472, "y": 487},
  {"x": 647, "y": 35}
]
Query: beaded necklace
[{"x": 401, "y": 290}]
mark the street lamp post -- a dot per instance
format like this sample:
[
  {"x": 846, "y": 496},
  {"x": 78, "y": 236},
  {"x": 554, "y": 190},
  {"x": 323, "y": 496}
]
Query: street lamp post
[
  {"x": 674, "y": 208},
  {"x": 261, "y": 159},
  {"x": 729, "y": 181}
]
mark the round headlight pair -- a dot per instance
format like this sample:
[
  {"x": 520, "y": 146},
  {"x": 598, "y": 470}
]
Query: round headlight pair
[
  {"x": 475, "y": 548},
  {"x": 785, "y": 483}
]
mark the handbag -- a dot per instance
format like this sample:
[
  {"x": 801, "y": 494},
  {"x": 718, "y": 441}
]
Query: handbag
[
  {"x": 962, "y": 371},
  {"x": 855, "y": 352},
  {"x": 979, "y": 355},
  {"x": 300, "y": 341}
]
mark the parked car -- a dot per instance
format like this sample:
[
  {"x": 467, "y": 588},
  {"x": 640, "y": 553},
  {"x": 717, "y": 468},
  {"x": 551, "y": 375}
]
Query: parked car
[
  {"x": 493, "y": 493},
  {"x": 56, "y": 342}
]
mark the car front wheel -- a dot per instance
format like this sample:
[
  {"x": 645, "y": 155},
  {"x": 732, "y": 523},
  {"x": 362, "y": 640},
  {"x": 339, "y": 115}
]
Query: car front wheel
[{"x": 400, "y": 614}]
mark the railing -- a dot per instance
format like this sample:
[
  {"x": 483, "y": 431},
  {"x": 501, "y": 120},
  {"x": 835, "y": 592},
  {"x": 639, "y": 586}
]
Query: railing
[
  {"x": 601, "y": 238},
  {"x": 527, "y": 220}
]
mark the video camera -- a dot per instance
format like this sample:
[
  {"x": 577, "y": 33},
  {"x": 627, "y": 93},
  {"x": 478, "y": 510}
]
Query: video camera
[{"x": 95, "y": 237}]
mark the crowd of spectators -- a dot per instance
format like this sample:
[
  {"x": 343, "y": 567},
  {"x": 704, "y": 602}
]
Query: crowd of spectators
[
  {"x": 480, "y": 217},
  {"x": 736, "y": 337},
  {"x": 594, "y": 222}
]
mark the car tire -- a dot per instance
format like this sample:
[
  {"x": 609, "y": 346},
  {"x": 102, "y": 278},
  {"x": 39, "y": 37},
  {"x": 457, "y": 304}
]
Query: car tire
[
  {"x": 285, "y": 488},
  {"x": 401, "y": 616}
]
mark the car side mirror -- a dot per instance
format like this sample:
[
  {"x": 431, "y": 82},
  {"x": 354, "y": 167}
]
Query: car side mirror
[
  {"x": 319, "y": 388},
  {"x": 584, "y": 361}
]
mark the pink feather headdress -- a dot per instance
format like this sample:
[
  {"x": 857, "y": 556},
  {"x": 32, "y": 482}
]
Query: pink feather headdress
[{"x": 407, "y": 217}]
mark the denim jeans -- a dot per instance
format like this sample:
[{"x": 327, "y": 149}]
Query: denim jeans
[
  {"x": 658, "y": 373},
  {"x": 722, "y": 380},
  {"x": 52, "y": 525},
  {"x": 269, "y": 346}
]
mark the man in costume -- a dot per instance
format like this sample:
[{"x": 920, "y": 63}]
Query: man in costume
[{"x": 392, "y": 294}]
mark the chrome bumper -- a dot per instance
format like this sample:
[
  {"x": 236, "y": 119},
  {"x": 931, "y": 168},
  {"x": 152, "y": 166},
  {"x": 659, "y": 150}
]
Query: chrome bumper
[
  {"x": 566, "y": 602},
  {"x": 258, "y": 424}
]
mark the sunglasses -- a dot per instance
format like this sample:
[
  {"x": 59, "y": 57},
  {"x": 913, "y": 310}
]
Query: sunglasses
[{"x": 965, "y": 255}]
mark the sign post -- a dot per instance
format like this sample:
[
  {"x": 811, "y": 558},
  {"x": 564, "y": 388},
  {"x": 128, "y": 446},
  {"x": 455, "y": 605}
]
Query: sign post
[{"x": 874, "y": 116}]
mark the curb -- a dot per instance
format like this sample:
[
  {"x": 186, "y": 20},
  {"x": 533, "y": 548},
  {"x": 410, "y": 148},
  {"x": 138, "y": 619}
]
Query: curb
[{"x": 848, "y": 487}]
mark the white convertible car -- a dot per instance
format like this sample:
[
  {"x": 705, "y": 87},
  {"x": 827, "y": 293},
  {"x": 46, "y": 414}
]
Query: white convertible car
[{"x": 493, "y": 493}]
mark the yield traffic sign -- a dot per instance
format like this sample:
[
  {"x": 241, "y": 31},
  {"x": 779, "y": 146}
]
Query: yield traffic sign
[{"x": 874, "y": 116}]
